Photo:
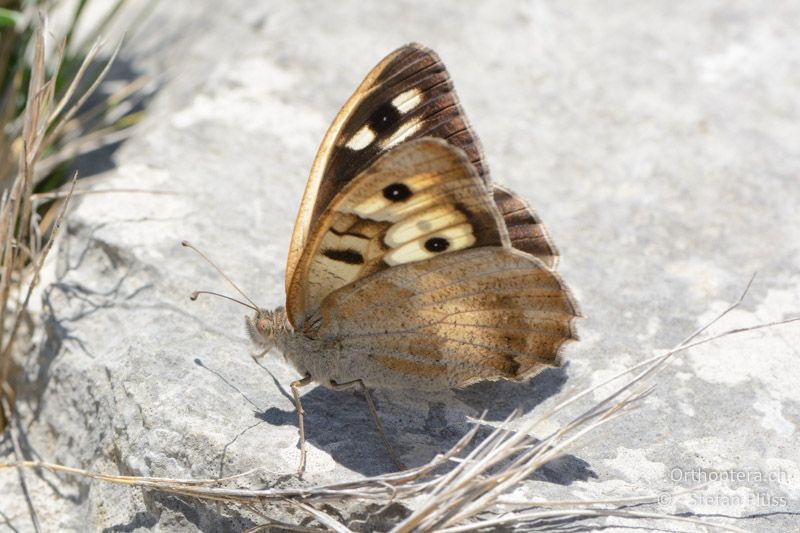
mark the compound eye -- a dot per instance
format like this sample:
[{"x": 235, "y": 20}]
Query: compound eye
[{"x": 262, "y": 325}]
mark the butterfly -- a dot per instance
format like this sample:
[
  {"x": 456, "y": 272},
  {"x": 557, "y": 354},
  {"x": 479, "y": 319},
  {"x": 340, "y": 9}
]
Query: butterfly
[{"x": 408, "y": 267}]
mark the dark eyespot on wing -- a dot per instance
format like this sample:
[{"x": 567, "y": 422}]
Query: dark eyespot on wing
[
  {"x": 437, "y": 113},
  {"x": 384, "y": 119},
  {"x": 351, "y": 257},
  {"x": 437, "y": 244},
  {"x": 397, "y": 192}
]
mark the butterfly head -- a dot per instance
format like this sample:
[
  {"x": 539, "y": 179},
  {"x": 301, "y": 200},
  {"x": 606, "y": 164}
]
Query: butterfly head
[{"x": 266, "y": 326}]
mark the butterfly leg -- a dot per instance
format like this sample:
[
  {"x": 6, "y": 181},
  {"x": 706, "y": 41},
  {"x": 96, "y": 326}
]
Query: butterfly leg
[
  {"x": 295, "y": 386},
  {"x": 358, "y": 383}
]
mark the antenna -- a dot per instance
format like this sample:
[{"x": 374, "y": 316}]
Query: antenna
[{"x": 195, "y": 294}]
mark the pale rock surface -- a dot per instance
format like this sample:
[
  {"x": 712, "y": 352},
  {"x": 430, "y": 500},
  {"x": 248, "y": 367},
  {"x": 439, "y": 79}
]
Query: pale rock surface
[{"x": 659, "y": 141}]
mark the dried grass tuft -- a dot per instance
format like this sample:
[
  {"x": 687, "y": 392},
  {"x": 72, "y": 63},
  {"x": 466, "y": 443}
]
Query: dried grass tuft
[
  {"x": 43, "y": 99},
  {"x": 45, "y": 125}
]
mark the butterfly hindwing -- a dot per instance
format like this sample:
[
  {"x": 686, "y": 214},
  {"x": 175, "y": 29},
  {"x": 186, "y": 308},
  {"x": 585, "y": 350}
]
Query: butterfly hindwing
[
  {"x": 407, "y": 96},
  {"x": 525, "y": 228},
  {"x": 484, "y": 313},
  {"x": 418, "y": 201}
]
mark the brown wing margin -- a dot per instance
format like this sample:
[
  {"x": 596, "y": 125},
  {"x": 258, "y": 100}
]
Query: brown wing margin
[{"x": 525, "y": 228}]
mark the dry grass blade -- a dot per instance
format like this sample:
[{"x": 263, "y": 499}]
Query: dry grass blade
[
  {"x": 519, "y": 519},
  {"x": 38, "y": 263},
  {"x": 323, "y": 518},
  {"x": 56, "y": 120}
]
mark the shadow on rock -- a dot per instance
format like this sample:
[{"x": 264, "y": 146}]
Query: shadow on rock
[
  {"x": 499, "y": 398},
  {"x": 204, "y": 517},
  {"x": 340, "y": 423}
]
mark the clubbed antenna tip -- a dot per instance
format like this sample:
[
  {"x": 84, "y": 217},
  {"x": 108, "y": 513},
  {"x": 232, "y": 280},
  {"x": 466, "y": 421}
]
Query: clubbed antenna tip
[{"x": 195, "y": 294}]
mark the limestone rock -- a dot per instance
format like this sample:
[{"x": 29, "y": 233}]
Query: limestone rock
[{"x": 658, "y": 141}]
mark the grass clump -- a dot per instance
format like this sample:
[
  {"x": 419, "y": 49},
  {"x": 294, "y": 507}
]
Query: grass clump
[{"x": 48, "y": 119}]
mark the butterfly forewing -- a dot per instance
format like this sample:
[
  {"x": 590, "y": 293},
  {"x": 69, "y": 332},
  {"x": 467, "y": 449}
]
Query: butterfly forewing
[
  {"x": 407, "y": 96},
  {"x": 419, "y": 201}
]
